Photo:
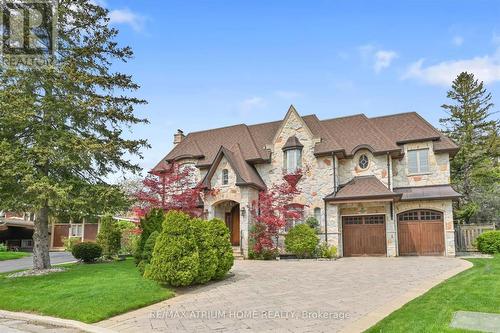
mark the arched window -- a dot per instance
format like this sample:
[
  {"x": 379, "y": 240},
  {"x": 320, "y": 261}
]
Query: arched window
[
  {"x": 294, "y": 215},
  {"x": 225, "y": 177},
  {"x": 317, "y": 214}
]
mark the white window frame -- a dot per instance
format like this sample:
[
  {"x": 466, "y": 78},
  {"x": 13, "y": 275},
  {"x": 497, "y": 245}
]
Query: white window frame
[
  {"x": 225, "y": 177},
  {"x": 78, "y": 232},
  {"x": 420, "y": 170},
  {"x": 292, "y": 160},
  {"x": 25, "y": 242}
]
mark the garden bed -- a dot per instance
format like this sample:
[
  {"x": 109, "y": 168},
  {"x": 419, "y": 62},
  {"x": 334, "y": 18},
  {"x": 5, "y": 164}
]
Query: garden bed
[{"x": 84, "y": 292}]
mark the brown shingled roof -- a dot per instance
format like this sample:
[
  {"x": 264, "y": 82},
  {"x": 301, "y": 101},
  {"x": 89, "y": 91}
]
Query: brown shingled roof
[
  {"x": 362, "y": 188},
  {"x": 245, "y": 173},
  {"x": 355, "y": 132},
  {"x": 411, "y": 127},
  {"x": 342, "y": 135}
]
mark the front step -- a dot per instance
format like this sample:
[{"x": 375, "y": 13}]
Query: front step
[{"x": 237, "y": 253}]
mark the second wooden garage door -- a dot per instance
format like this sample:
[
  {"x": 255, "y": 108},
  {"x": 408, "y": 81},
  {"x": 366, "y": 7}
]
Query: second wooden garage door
[
  {"x": 421, "y": 233},
  {"x": 364, "y": 235}
]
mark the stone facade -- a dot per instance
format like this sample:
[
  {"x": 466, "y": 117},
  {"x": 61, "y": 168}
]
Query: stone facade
[
  {"x": 318, "y": 182},
  {"x": 439, "y": 168}
]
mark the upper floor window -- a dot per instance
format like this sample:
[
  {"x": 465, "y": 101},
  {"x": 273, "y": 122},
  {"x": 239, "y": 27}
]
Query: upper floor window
[
  {"x": 418, "y": 160},
  {"x": 363, "y": 161},
  {"x": 292, "y": 160},
  {"x": 225, "y": 177}
]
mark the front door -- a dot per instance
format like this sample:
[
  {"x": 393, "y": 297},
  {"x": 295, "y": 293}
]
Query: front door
[{"x": 233, "y": 224}]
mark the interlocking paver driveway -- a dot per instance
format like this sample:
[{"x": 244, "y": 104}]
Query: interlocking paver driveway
[{"x": 287, "y": 296}]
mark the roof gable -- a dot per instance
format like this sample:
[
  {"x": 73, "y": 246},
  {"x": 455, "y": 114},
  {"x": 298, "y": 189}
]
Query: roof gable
[
  {"x": 292, "y": 115},
  {"x": 245, "y": 173}
]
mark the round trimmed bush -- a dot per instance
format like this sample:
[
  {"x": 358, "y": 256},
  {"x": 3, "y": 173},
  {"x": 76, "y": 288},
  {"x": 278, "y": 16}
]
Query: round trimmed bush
[
  {"x": 222, "y": 246},
  {"x": 206, "y": 251},
  {"x": 87, "y": 251},
  {"x": 302, "y": 241},
  {"x": 489, "y": 242},
  {"x": 175, "y": 257}
]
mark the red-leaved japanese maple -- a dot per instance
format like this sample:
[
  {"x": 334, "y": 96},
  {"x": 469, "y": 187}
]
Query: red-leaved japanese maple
[
  {"x": 274, "y": 207},
  {"x": 172, "y": 188}
]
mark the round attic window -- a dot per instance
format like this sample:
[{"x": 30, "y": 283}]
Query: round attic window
[{"x": 363, "y": 161}]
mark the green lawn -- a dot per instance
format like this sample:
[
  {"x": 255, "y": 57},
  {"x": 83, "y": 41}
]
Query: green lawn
[
  {"x": 12, "y": 255},
  {"x": 477, "y": 289},
  {"x": 86, "y": 292}
]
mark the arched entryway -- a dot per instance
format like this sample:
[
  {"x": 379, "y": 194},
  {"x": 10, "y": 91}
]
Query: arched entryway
[{"x": 229, "y": 212}]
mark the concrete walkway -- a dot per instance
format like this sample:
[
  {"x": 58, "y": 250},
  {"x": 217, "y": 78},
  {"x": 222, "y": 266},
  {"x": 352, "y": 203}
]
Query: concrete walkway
[
  {"x": 27, "y": 262},
  {"x": 349, "y": 294}
]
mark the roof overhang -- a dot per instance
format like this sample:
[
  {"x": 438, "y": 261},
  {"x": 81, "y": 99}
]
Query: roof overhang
[{"x": 432, "y": 192}]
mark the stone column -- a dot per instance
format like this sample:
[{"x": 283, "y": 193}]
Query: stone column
[
  {"x": 333, "y": 231},
  {"x": 390, "y": 228}
]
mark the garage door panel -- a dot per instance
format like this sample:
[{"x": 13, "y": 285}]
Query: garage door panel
[
  {"x": 364, "y": 235},
  {"x": 421, "y": 236}
]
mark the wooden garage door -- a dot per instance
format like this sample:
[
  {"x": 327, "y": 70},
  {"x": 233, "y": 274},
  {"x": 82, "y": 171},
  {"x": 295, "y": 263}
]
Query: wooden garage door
[
  {"x": 364, "y": 235},
  {"x": 421, "y": 233}
]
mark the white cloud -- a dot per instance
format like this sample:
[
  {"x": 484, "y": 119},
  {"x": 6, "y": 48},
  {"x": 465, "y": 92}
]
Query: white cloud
[
  {"x": 126, "y": 16},
  {"x": 286, "y": 94},
  {"x": 485, "y": 68},
  {"x": 252, "y": 103},
  {"x": 457, "y": 40},
  {"x": 383, "y": 59},
  {"x": 380, "y": 58}
]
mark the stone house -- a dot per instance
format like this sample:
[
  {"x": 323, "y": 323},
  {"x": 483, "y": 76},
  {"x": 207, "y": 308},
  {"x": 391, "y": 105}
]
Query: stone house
[{"x": 378, "y": 186}]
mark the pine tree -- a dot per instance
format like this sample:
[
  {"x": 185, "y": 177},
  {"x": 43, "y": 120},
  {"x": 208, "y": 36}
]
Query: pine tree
[
  {"x": 61, "y": 125},
  {"x": 470, "y": 123}
]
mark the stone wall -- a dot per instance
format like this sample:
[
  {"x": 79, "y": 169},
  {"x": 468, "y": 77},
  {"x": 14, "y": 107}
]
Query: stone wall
[
  {"x": 439, "y": 168},
  {"x": 349, "y": 168},
  {"x": 317, "y": 180}
]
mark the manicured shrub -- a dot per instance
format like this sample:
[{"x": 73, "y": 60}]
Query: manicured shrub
[
  {"x": 206, "y": 250},
  {"x": 147, "y": 254},
  {"x": 302, "y": 241},
  {"x": 313, "y": 223},
  {"x": 87, "y": 251},
  {"x": 175, "y": 256},
  {"x": 152, "y": 222},
  {"x": 489, "y": 242},
  {"x": 222, "y": 246},
  {"x": 325, "y": 251},
  {"x": 109, "y": 237},
  {"x": 3, "y": 247}
]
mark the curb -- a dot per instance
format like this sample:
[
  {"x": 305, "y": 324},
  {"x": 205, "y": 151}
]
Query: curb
[
  {"x": 54, "y": 321},
  {"x": 377, "y": 315}
]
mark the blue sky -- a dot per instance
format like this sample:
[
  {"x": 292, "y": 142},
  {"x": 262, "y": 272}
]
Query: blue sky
[{"x": 207, "y": 64}]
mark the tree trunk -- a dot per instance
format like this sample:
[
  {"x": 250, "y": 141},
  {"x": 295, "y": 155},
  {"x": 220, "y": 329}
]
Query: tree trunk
[{"x": 41, "y": 259}]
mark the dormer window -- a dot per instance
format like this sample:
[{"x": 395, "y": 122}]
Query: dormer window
[
  {"x": 225, "y": 177},
  {"x": 292, "y": 155},
  {"x": 418, "y": 161}
]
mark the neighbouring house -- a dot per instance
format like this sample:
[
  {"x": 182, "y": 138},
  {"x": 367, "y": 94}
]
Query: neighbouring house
[
  {"x": 16, "y": 230},
  {"x": 379, "y": 186}
]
